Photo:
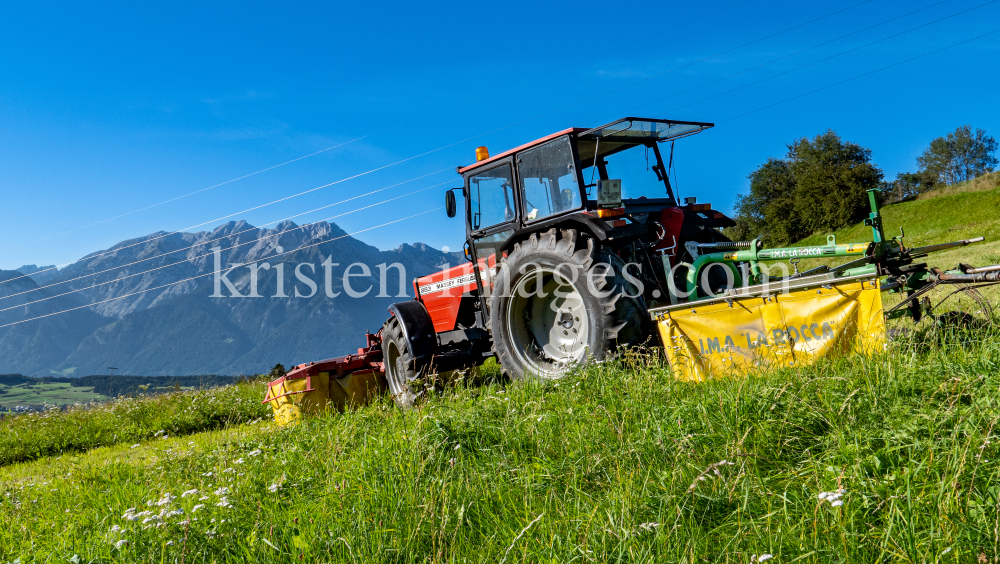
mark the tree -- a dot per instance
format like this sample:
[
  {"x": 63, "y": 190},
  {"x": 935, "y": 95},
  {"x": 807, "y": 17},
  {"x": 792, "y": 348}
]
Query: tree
[
  {"x": 820, "y": 185},
  {"x": 831, "y": 178},
  {"x": 962, "y": 155},
  {"x": 908, "y": 185},
  {"x": 769, "y": 209}
]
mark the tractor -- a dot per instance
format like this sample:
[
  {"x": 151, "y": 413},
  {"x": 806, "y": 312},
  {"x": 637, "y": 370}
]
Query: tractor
[{"x": 562, "y": 269}]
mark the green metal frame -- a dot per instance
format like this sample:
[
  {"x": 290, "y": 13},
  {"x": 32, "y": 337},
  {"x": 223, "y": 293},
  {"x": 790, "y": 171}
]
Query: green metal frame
[{"x": 883, "y": 258}]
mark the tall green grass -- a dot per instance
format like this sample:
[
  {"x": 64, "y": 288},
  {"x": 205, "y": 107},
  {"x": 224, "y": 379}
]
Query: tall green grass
[
  {"x": 618, "y": 462},
  {"x": 127, "y": 420}
]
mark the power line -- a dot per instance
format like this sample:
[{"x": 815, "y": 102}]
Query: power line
[
  {"x": 209, "y": 254},
  {"x": 161, "y": 255},
  {"x": 632, "y": 84},
  {"x": 646, "y": 38},
  {"x": 210, "y": 273},
  {"x": 860, "y": 76},
  {"x": 206, "y": 189},
  {"x": 827, "y": 58},
  {"x": 114, "y": 250},
  {"x": 513, "y": 123},
  {"x": 428, "y": 211},
  {"x": 748, "y": 69}
]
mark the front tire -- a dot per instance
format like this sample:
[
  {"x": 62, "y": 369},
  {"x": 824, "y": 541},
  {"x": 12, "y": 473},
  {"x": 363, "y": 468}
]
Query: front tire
[
  {"x": 401, "y": 372},
  {"x": 558, "y": 302}
]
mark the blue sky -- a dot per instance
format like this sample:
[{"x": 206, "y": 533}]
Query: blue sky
[{"x": 108, "y": 109}]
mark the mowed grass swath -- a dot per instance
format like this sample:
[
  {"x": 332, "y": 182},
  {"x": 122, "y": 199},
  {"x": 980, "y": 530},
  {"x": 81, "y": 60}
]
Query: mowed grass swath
[{"x": 889, "y": 458}]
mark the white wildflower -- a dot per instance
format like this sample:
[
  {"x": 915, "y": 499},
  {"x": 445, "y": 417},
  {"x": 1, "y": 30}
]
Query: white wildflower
[
  {"x": 197, "y": 507},
  {"x": 158, "y": 433},
  {"x": 174, "y": 513},
  {"x": 764, "y": 557},
  {"x": 116, "y": 529},
  {"x": 166, "y": 499},
  {"x": 135, "y": 445},
  {"x": 836, "y": 503},
  {"x": 946, "y": 551},
  {"x": 189, "y": 492},
  {"x": 150, "y": 519},
  {"x": 222, "y": 491},
  {"x": 170, "y": 543},
  {"x": 649, "y": 526},
  {"x": 458, "y": 446},
  {"x": 228, "y": 470},
  {"x": 238, "y": 461},
  {"x": 253, "y": 452},
  {"x": 191, "y": 443},
  {"x": 207, "y": 474},
  {"x": 203, "y": 498},
  {"x": 273, "y": 488},
  {"x": 121, "y": 543},
  {"x": 223, "y": 502}
]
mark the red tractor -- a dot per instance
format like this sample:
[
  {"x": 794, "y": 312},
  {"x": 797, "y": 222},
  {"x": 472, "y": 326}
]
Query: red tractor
[{"x": 561, "y": 267}]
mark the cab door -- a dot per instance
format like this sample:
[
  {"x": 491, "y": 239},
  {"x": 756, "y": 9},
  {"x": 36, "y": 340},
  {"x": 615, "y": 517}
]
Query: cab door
[{"x": 492, "y": 218}]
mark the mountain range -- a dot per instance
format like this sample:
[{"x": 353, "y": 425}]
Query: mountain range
[{"x": 235, "y": 300}]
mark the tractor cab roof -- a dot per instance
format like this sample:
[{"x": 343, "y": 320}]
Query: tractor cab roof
[{"x": 621, "y": 133}]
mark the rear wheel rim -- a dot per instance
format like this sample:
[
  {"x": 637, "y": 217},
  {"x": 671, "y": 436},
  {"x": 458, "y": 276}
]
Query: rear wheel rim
[{"x": 547, "y": 323}]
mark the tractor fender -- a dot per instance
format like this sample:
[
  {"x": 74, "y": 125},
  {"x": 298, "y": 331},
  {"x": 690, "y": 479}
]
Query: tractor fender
[
  {"x": 582, "y": 222},
  {"x": 417, "y": 328}
]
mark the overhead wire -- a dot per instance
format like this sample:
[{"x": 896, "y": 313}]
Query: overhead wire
[
  {"x": 206, "y": 189},
  {"x": 210, "y": 273},
  {"x": 799, "y": 52},
  {"x": 202, "y": 243},
  {"x": 829, "y": 57},
  {"x": 145, "y": 241},
  {"x": 189, "y": 259},
  {"x": 314, "y": 189},
  {"x": 646, "y": 38},
  {"x": 853, "y": 78},
  {"x": 727, "y": 119},
  {"x": 371, "y": 171},
  {"x": 436, "y": 209}
]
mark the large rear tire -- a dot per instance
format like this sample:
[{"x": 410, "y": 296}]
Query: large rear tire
[
  {"x": 401, "y": 373},
  {"x": 558, "y": 301}
]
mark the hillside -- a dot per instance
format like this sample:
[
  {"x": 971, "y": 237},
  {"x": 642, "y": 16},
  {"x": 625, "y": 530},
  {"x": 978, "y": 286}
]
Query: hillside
[
  {"x": 951, "y": 213},
  {"x": 618, "y": 462}
]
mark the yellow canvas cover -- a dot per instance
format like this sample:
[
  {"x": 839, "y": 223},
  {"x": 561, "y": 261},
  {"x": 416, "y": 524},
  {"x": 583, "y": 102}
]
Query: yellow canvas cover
[
  {"x": 292, "y": 398},
  {"x": 356, "y": 389},
  {"x": 732, "y": 336}
]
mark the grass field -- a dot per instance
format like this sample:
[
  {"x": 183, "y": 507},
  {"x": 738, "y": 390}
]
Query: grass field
[
  {"x": 126, "y": 421},
  {"x": 45, "y": 393},
  {"x": 617, "y": 462}
]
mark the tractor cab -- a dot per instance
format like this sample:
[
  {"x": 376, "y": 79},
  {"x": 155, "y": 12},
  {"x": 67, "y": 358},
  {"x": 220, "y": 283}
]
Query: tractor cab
[{"x": 576, "y": 177}]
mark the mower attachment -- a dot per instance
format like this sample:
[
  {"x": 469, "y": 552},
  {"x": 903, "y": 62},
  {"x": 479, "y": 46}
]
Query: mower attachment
[{"x": 351, "y": 380}]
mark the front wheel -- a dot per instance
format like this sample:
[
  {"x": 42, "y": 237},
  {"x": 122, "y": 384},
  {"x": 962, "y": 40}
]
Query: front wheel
[
  {"x": 401, "y": 372},
  {"x": 556, "y": 303}
]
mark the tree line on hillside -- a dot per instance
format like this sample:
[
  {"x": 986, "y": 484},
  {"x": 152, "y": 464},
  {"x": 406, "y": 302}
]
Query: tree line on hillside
[
  {"x": 119, "y": 385},
  {"x": 821, "y": 183}
]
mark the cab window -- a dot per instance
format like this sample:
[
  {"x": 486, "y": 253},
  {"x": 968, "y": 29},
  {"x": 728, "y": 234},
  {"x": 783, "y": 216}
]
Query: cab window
[
  {"x": 548, "y": 180},
  {"x": 492, "y": 197}
]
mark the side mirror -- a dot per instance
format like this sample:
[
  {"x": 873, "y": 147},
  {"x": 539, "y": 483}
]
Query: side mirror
[{"x": 450, "y": 207}]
